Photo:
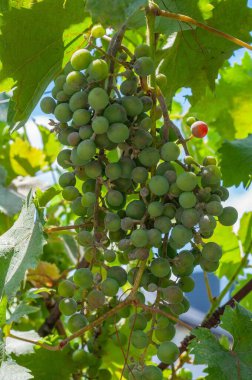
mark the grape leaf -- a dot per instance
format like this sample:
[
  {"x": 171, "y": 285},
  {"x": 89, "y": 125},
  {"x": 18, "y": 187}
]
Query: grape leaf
[
  {"x": 3, "y": 308},
  {"x": 45, "y": 274},
  {"x": 222, "y": 362},
  {"x": 10, "y": 201},
  {"x": 61, "y": 366},
  {"x": 245, "y": 232},
  {"x": 32, "y": 54},
  {"x": 246, "y": 301},
  {"x": 194, "y": 57},
  {"x": 43, "y": 197},
  {"x": 21, "y": 310},
  {"x": 10, "y": 370},
  {"x": 236, "y": 161},
  {"x": 20, "y": 248},
  {"x": 19, "y": 347}
]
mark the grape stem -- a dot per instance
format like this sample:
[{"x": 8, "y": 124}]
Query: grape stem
[
  {"x": 208, "y": 288},
  {"x": 65, "y": 228},
  {"x": 183, "y": 18}
]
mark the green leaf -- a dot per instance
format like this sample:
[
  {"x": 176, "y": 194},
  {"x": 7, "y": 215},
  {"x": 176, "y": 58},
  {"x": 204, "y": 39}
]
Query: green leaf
[
  {"x": 226, "y": 238},
  {"x": 61, "y": 366},
  {"x": 223, "y": 363},
  {"x": 32, "y": 53},
  {"x": 245, "y": 231},
  {"x": 43, "y": 197},
  {"x": 236, "y": 162},
  {"x": 10, "y": 202},
  {"x": 51, "y": 144},
  {"x": 122, "y": 11},
  {"x": 246, "y": 301},
  {"x": 3, "y": 308},
  {"x": 20, "y": 248},
  {"x": 10, "y": 370},
  {"x": 21, "y": 310},
  {"x": 20, "y": 347},
  {"x": 3, "y": 175},
  {"x": 195, "y": 57}
]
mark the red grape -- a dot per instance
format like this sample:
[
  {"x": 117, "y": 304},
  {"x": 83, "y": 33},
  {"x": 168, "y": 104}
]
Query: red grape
[{"x": 199, "y": 129}]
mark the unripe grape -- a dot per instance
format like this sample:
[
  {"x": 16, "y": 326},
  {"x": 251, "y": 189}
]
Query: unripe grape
[
  {"x": 98, "y": 99},
  {"x": 62, "y": 112},
  {"x": 163, "y": 167},
  {"x": 89, "y": 186},
  {"x": 69, "y": 90},
  {"x": 115, "y": 113},
  {"x": 67, "y": 179},
  {"x": 181, "y": 235},
  {"x": 78, "y": 100},
  {"x": 93, "y": 169},
  {"x": 154, "y": 237},
  {"x": 147, "y": 103},
  {"x": 97, "y": 31},
  {"x": 211, "y": 251},
  {"x": 145, "y": 123},
  {"x": 69, "y": 193},
  {"x": 109, "y": 256},
  {"x": 129, "y": 86},
  {"x": 139, "y": 339},
  {"x": 187, "y": 181},
  {"x": 81, "y": 357},
  {"x": 159, "y": 185},
  {"x": 166, "y": 333},
  {"x": 66, "y": 288},
  {"x": 209, "y": 160},
  {"x": 173, "y": 294},
  {"x": 190, "y": 120},
  {"x": 75, "y": 80},
  {"x": 115, "y": 199},
  {"x": 110, "y": 287},
  {"x": 228, "y": 216},
  {"x": 160, "y": 267},
  {"x": 136, "y": 209},
  {"x": 104, "y": 374},
  {"x": 168, "y": 352},
  {"x": 189, "y": 160},
  {"x": 86, "y": 150},
  {"x": 155, "y": 209},
  {"x": 113, "y": 171},
  {"x": 88, "y": 199},
  {"x": 142, "y": 50},
  {"x": 210, "y": 176},
  {"x": 85, "y": 238},
  {"x": 95, "y": 299},
  {"x": 161, "y": 81},
  {"x": 137, "y": 321},
  {"x": 214, "y": 208},
  {"x": 151, "y": 372},
  {"x": 76, "y": 322},
  {"x": 62, "y": 96},
  {"x": 127, "y": 165},
  {"x": 169, "y": 210},
  {"x": 199, "y": 129},
  {"x": 190, "y": 217},
  {"x": 141, "y": 139},
  {"x": 132, "y": 105},
  {"x": 118, "y": 132},
  {"x": 112, "y": 222},
  {"x": 170, "y": 151},
  {"x": 207, "y": 265},
  {"x": 149, "y": 157},
  {"x": 85, "y": 132},
  {"x": 187, "y": 199},
  {"x": 68, "y": 306},
  {"x": 118, "y": 274},
  {"x": 100, "y": 124},
  {"x": 77, "y": 207},
  {"x": 139, "y": 174},
  {"x": 144, "y": 66},
  {"x": 64, "y": 158},
  {"x": 60, "y": 81},
  {"x": 139, "y": 238},
  {"x": 186, "y": 284},
  {"x": 48, "y": 105},
  {"x": 98, "y": 70},
  {"x": 81, "y": 59},
  {"x": 81, "y": 117},
  {"x": 73, "y": 138}
]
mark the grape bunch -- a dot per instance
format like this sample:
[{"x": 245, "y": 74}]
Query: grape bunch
[{"x": 144, "y": 214}]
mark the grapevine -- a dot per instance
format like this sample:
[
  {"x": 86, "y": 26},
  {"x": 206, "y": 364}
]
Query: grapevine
[{"x": 147, "y": 209}]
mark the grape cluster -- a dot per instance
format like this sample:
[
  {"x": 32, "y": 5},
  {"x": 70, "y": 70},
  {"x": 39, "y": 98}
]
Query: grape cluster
[{"x": 137, "y": 204}]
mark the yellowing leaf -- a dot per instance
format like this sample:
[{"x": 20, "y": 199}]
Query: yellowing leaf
[{"x": 44, "y": 275}]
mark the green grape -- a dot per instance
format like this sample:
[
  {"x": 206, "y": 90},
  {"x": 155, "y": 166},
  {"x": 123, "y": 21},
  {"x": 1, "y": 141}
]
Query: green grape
[
  {"x": 123, "y": 184},
  {"x": 48, "y": 105},
  {"x": 88, "y": 199},
  {"x": 139, "y": 238},
  {"x": 228, "y": 216},
  {"x": 163, "y": 167},
  {"x": 211, "y": 251},
  {"x": 98, "y": 31},
  {"x": 142, "y": 50},
  {"x": 145, "y": 123},
  {"x": 112, "y": 222},
  {"x": 209, "y": 160},
  {"x": 127, "y": 224},
  {"x": 115, "y": 113},
  {"x": 139, "y": 339},
  {"x": 183, "y": 264},
  {"x": 69, "y": 193},
  {"x": 100, "y": 124},
  {"x": 149, "y": 157},
  {"x": 64, "y": 159},
  {"x": 127, "y": 165},
  {"x": 137, "y": 321},
  {"x": 75, "y": 159},
  {"x": 207, "y": 265},
  {"x": 147, "y": 103},
  {"x": 186, "y": 284},
  {"x": 187, "y": 199},
  {"x": 60, "y": 81},
  {"x": 170, "y": 151},
  {"x": 163, "y": 224},
  {"x": 173, "y": 294},
  {"x": 204, "y": 195},
  {"x": 66, "y": 288},
  {"x": 98, "y": 70},
  {"x": 132, "y": 105},
  {"x": 103, "y": 374},
  {"x": 129, "y": 86},
  {"x": 168, "y": 352},
  {"x": 68, "y": 89},
  {"x": 141, "y": 139},
  {"x": 118, "y": 274},
  {"x": 166, "y": 333},
  {"x": 161, "y": 81},
  {"x": 139, "y": 174},
  {"x": 155, "y": 209},
  {"x": 215, "y": 197},
  {"x": 63, "y": 135},
  {"x": 63, "y": 113},
  {"x": 73, "y": 138},
  {"x": 81, "y": 357},
  {"x": 77, "y": 208},
  {"x": 224, "y": 193},
  {"x": 93, "y": 169},
  {"x": 144, "y": 66},
  {"x": 67, "y": 306},
  {"x": 67, "y": 179},
  {"x": 136, "y": 209},
  {"x": 171, "y": 176},
  {"x": 169, "y": 210},
  {"x": 109, "y": 255},
  {"x": 85, "y": 238},
  {"x": 115, "y": 199},
  {"x": 118, "y": 133},
  {"x": 85, "y": 132},
  {"x": 113, "y": 171},
  {"x": 186, "y": 304},
  {"x": 76, "y": 80},
  {"x": 81, "y": 117},
  {"x": 89, "y": 186},
  {"x": 190, "y": 217},
  {"x": 98, "y": 99},
  {"x": 214, "y": 208},
  {"x": 210, "y": 176},
  {"x": 110, "y": 287},
  {"x": 159, "y": 185},
  {"x": 187, "y": 181},
  {"x": 78, "y": 100},
  {"x": 160, "y": 267},
  {"x": 95, "y": 299},
  {"x": 81, "y": 59},
  {"x": 86, "y": 150},
  {"x": 207, "y": 223},
  {"x": 76, "y": 322}
]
